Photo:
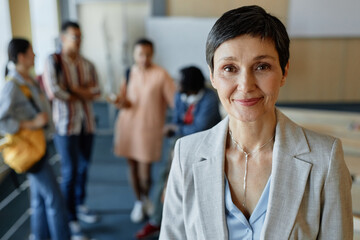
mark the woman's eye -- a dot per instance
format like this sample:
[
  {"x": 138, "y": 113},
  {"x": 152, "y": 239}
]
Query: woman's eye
[
  {"x": 262, "y": 67},
  {"x": 229, "y": 69}
]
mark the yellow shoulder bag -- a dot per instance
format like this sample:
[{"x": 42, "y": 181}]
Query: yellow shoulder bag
[{"x": 26, "y": 147}]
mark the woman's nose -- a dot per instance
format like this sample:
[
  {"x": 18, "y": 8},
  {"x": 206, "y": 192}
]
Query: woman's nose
[{"x": 245, "y": 82}]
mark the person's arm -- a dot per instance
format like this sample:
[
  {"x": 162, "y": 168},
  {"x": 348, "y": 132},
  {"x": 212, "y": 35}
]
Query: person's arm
[
  {"x": 169, "y": 90},
  {"x": 172, "y": 224},
  {"x": 336, "y": 215},
  {"x": 85, "y": 93},
  {"x": 52, "y": 85},
  {"x": 121, "y": 101},
  {"x": 39, "y": 121},
  {"x": 92, "y": 90},
  {"x": 8, "y": 123},
  {"x": 170, "y": 129}
]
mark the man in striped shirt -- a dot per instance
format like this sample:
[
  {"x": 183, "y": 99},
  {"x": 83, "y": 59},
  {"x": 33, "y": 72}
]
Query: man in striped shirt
[{"x": 71, "y": 83}]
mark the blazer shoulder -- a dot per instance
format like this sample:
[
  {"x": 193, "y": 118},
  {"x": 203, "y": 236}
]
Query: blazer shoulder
[
  {"x": 319, "y": 139},
  {"x": 196, "y": 146},
  {"x": 323, "y": 148},
  {"x": 190, "y": 143},
  {"x": 312, "y": 146},
  {"x": 196, "y": 139}
]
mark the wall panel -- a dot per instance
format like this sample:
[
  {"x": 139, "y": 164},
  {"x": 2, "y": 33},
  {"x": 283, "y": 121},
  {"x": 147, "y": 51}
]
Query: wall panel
[
  {"x": 316, "y": 68},
  {"x": 321, "y": 70},
  {"x": 215, "y": 8},
  {"x": 351, "y": 77}
]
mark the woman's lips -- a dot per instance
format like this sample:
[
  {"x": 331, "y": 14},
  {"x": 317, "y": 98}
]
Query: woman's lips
[{"x": 248, "y": 102}]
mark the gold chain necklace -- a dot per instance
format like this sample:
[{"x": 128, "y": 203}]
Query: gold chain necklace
[{"x": 247, "y": 154}]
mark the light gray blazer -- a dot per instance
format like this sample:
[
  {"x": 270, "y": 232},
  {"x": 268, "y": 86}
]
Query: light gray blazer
[{"x": 310, "y": 191}]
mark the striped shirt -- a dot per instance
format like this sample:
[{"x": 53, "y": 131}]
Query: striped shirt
[{"x": 60, "y": 75}]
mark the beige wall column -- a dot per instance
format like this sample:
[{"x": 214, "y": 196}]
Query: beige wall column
[{"x": 20, "y": 18}]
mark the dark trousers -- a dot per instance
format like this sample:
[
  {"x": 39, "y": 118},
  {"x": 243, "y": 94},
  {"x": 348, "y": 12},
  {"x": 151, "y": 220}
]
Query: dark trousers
[{"x": 75, "y": 152}]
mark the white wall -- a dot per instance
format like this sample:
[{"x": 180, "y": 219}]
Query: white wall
[
  {"x": 45, "y": 30},
  {"x": 109, "y": 30},
  {"x": 179, "y": 42},
  {"x": 5, "y": 36},
  {"x": 324, "y": 18}
]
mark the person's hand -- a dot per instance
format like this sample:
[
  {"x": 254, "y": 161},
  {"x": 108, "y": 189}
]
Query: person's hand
[
  {"x": 73, "y": 98},
  {"x": 83, "y": 93},
  {"x": 111, "y": 98},
  {"x": 122, "y": 102},
  {"x": 40, "y": 120},
  {"x": 169, "y": 130}
]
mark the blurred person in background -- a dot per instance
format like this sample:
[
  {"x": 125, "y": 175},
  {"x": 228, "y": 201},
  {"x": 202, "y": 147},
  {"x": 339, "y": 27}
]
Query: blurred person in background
[
  {"x": 196, "y": 109},
  {"x": 71, "y": 83},
  {"x": 143, "y": 101},
  {"x": 48, "y": 219}
]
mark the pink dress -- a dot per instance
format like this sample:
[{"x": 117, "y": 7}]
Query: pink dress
[{"x": 138, "y": 130}]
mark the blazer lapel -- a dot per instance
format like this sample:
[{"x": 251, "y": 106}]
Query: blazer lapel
[
  {"x": 289, "y": 178},
  {"x": 209, "y": 182}
]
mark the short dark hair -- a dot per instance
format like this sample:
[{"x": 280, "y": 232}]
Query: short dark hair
[
  {"x": 192, "y": 79},
  {"x": 69, "y": 24},
  {"x": 145, "y": 41},
  {"x": 248, "y": 20}
]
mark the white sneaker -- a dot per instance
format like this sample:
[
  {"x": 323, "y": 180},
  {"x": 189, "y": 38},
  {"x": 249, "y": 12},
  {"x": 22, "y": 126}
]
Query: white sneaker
[
  {"x": 137, "y": 214},
  {"x": 86, "y": 215},
  {"x": 148, "y": 207},
  {"x": 76, "y": 233},
  {"x": 74, "y": 227}
]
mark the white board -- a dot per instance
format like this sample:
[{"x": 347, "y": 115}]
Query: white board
[
  {"x": 324, "y": 18},
  {"x": 179, "y": 42}
]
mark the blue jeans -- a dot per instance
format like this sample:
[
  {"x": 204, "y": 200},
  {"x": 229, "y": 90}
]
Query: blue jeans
[
  {"x": 48, "y": 218},
  {"x": 75, "y": 152}
]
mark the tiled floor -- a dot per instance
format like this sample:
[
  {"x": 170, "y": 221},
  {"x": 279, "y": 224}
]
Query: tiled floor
[{"x": 110, "y": 195}]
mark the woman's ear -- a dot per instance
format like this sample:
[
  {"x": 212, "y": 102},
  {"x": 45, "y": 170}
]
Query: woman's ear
[
  {"x": 283, "y": 80},
  {"x": 20, "y": 57},
  {"x": 211, "y": 77}
]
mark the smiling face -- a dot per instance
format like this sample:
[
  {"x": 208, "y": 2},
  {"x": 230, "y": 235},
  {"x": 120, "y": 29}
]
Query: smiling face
[{"x": 247, "y": 76}]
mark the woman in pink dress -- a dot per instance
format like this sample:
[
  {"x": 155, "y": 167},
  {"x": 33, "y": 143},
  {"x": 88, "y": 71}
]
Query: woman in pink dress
[{"x": 143, "y": 101}]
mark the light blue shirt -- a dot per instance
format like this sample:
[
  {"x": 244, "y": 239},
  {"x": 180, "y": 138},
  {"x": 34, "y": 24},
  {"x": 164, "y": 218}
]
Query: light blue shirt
[{"x": 238, "y": 226}]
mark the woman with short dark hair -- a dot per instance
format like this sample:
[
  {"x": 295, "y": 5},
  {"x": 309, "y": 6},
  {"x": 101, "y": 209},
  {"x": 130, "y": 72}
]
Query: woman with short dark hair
[{"x": 257, "y": 174}]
